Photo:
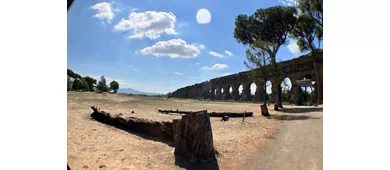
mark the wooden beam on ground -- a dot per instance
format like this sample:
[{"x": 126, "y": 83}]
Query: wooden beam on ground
[{"x": 212, "y": 114}]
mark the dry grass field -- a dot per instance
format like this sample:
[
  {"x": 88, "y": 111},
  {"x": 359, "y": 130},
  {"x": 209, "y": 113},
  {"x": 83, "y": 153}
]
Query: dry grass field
[{"x": 93, "y": 145}]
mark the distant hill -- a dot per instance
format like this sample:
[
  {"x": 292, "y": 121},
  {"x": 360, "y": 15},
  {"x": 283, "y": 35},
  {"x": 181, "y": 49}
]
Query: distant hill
[{"x": 136, "y": 92}]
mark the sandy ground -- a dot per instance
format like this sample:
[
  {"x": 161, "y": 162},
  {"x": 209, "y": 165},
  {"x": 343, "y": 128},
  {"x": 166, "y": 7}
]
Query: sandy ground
[
  {"x": 93, "y": 145},
  {"x": 298, "y": 143}
]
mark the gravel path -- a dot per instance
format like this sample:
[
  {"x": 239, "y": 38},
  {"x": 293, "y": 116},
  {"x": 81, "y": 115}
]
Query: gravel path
[{"x": 298, "y": 143}]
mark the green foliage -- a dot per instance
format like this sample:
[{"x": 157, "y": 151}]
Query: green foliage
[
  {"x": 83, "y": 85},
  {"x": 270, "y": 25},
  {"x": 312, "y": 8},
  {"x": 266, "y": 29},
  {"x": 307, "y": 97},
  {"x": 286, "y": 95},
  {"x": 102, "y": 85},
  {"x": 286, "y": 92},
  {"x": 80, "y": 84},
  {"x": 69, "y": 83},
  {"x": 309, "y": 24},
  {"x": 114, "y": 85},
  {"x": 269, "y": 96},
  {"x": 73, "y": 74},
  {"x": 258, "y": 59},
  {"x": 91, "y": 83},
  {"x": 76, "y": 84},
  {"x": 304, "y": 32}
]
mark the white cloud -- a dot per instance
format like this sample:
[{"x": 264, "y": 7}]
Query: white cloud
[
  {"x": 215, "y": 67},
  {"x": 149, "y": 24},
  {"x": 228, "y": 53},
  {"x": 177, "y": 73},
  {"x": 134, "y": 9},
  {"x": 203, "y": 16},
  {"x": 197, "y": 63},
  {"x": 215, "y": 54},
  {"x": 289, "y": 2},
  {"x": 175, "y": 48},
  {"x": 200, "y": 46},
  {"x": 293, "y": 47},
  {"x": 104, "y": 11},
  {"x": 159, "y": 83},
  {"x": 226, "y": 74}
]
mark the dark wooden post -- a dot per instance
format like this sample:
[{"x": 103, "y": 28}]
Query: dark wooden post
[{"x": 264, "y": 110}]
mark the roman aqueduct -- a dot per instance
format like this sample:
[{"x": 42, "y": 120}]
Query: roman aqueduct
[{"x": 227, "y": 87}]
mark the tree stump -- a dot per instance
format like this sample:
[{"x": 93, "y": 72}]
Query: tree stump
[
  {"x": 193, "y": 137},
  {"x": 264, "y": 110}
]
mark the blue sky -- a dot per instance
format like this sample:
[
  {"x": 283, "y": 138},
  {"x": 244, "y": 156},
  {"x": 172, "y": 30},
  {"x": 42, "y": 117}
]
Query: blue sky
[{"x": 159, "y": 46}]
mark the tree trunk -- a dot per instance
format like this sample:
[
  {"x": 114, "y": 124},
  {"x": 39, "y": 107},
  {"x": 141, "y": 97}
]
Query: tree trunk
[
  {"x": 280, "y": 96},
  {"x": 193, "y": 137},
  {"x": 317, "y": 83}
]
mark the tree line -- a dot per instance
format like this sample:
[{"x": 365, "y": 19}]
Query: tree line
[
  {"x": 78, "y": 83},
  {"x": 266, "y": 30}
]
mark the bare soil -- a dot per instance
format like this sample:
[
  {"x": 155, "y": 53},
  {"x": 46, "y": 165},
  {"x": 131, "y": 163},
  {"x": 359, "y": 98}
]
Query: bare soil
[
  {"x": 93, "y": 145},
  {"x": 298, "y": 143}
]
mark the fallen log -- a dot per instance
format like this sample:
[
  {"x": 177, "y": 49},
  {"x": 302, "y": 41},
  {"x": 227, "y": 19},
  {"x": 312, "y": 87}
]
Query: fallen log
[
  {"x": 212, "y": 114},
  {"x": 162, "y": 130},
  {"x": 192, "y": 135}
]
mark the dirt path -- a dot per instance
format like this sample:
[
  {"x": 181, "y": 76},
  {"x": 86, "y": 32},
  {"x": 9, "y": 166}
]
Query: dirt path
[{"x": 297, "y": 145}]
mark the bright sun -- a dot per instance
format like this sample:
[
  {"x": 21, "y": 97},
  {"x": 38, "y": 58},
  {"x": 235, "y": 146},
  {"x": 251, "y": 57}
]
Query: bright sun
[{"x": 203, "y": 16}]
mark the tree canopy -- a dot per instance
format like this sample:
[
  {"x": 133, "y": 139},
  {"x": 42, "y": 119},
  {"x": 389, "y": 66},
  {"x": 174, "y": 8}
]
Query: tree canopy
[
  {"x": 80, "y": 84},
  {"x": 73, "y": 74},
  {"x": 309, "y": 25},
  {"x": 102, "y": 85},
  {"x": 114, "y": 85},
  {"x": 267, "y": 29},
  {"x": 270, "y": 25},
  {"x": 91, "y": 83}
]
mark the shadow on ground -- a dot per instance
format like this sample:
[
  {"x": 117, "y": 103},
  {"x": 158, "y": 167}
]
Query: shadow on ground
[
  {"x": 292, "y": 117},
  {"x": 301, "y": 110},
  {"x": 184, "y": 163},
  {"x": 169, "y": 143}
]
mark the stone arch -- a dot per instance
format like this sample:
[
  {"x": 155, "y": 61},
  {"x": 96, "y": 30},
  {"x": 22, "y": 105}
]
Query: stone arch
[
  {"x": 268, "y": 89},
  {"x": 218, "y": 93},
  {"x": 226, "y": 93},
  {"x": 286, "y": 86},
  {"x": 240, "y": 88},
  {"x": 307, "y": 91},
  {"x": 235, "y": 95},
  {"x": 253, "y": 88}
]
